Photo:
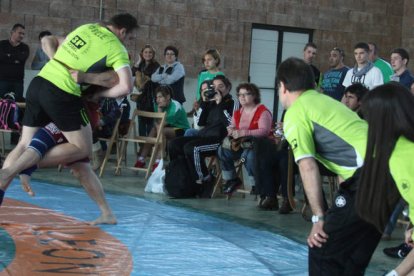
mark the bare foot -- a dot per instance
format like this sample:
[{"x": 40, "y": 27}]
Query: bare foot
[
  {"x": 104, "y": 219},
  {"x": 25, "y": 181}
]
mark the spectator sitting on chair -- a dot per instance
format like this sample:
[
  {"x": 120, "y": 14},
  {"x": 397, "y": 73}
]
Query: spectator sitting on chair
[
  {"x": 217, "y": 108},
  {"x": 176, "y": 122},
  {"x": 171, "y": 73},
  {"x": 252, "y": 119},
  {"x": 109, "y": 112},
  {"x": 353, "y": 96},
  {"x": 196, "y": 128}
]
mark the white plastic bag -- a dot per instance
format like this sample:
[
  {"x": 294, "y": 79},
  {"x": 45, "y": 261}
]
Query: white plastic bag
[{"x": 155, "y": 183}]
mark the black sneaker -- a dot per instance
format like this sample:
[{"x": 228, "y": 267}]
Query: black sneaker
[
  {"x": 232, "y": 185},
  {"x": 269, "y": 203},
  {"x": 253, "y": 190},
  {"x": 398, "y": 252}
]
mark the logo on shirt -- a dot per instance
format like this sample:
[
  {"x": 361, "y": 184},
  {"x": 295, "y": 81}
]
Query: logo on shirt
[
  {"x": 77, "y": 42},
  {"x": 340, "y": 201},
  {"x": 294, "y": 144},
  {"x": 360, "y": 79},
  {"x": 405, "y": 185}
]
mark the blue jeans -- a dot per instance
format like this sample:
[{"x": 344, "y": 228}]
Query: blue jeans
[
  {"x": 227, "y": 158},
  {"x": 191, "y": 132}
]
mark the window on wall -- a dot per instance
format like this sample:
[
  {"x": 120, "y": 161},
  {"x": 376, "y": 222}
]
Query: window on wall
[{"x": 271, "y": 45}]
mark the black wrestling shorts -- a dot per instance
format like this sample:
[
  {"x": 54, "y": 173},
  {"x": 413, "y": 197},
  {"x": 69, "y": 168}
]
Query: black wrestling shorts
[{"x": 46, "y": 103}]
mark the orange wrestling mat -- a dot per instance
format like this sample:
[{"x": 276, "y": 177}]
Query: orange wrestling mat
[{"x": 38, "y": 241}]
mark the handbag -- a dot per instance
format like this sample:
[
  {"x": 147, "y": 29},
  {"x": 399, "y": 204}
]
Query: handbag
[
  {"x": 140, "y": 80},
  {"x": 236, "y": 144}
]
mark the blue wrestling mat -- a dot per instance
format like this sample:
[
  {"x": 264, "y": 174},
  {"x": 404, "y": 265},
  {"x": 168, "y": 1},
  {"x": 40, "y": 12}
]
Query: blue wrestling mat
[{"x": 169, "y": 240}]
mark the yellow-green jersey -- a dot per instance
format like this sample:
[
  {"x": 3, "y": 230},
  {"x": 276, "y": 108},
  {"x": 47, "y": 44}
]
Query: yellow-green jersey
[
  {"x": 402, "y": 171},
  {"x": 318, "y": 126},
  {"x": 90, "y": 48}
]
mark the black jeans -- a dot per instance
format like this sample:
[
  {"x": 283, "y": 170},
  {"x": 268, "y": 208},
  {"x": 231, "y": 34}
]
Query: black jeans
[{"x": 351, "y": 241}]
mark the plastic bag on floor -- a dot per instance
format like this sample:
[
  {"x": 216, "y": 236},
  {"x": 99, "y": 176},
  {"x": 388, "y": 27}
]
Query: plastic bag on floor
[{"x": 155, "y": 183}]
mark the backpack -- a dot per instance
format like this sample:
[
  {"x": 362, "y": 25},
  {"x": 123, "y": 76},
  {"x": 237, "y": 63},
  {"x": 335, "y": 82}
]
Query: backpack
[
  {"x": 178, "y": 179},
  {"x": 9, "y": 115}
]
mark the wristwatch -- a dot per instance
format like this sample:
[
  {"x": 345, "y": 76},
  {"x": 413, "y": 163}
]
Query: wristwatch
[{"x": 316, "y": 219}]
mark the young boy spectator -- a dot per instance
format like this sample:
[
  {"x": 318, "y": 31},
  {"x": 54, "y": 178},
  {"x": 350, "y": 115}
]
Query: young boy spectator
[
  {"x": 399, "y": 62},
  {"x": 364, "y": 70},
  {"x": 353, "y": 96}
]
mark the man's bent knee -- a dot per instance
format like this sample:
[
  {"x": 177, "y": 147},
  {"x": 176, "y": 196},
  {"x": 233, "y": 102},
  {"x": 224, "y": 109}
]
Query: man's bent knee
[{"x": 82, "y": 139}]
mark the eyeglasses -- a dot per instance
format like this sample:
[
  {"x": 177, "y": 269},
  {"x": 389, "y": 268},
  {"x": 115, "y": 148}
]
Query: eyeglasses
[
  {"x": 169, "y": 54},
  {"x": 244, "y": 94}
]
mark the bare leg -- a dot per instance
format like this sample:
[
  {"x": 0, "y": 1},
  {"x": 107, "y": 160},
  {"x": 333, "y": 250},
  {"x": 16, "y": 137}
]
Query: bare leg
[
  {"x": 91, "y": 183},
  {"x": 19, "y": 158},
  {"x": 25, "y": 181},
  {"x": 78, "y": 147}
]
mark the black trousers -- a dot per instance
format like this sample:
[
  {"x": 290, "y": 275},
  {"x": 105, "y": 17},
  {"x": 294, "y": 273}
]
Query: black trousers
[
  {"x": 194, "y": 149},
  {"x": 351, "y": 241}
]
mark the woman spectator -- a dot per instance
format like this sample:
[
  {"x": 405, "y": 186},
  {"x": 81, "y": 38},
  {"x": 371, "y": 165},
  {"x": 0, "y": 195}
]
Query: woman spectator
[
  {"x": 388, "y": 171},
  {"x": 143, "y": 70},
  {"x": 211, "y": 62},
  {"x": 176, "y": 124},
  {"x": 171, "y": 73},
  {"x": 252, "y": 119}
]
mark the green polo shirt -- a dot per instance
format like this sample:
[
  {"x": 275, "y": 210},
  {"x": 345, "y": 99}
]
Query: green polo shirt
[
  {"x": 318, "y": 126},
  {"x": 176, "y": 115}
]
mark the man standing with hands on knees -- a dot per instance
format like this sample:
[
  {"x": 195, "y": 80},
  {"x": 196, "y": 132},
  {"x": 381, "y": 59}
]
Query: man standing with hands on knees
[
  {"x": 54, "y": 96},
  {"x": 340, "y": 243}
]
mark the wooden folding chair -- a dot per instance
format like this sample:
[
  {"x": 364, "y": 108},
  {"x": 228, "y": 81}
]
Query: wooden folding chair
[
  {"x": 291, "y": 179},
  {"x": 132, "y": 137},
  {"x": 114, "y": 139},
  {"x": 238, "y": 164}
]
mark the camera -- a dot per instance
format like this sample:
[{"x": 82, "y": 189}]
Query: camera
[{"x": 210, "y": 92}]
